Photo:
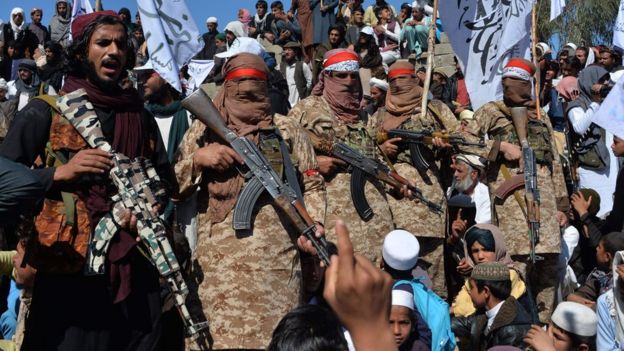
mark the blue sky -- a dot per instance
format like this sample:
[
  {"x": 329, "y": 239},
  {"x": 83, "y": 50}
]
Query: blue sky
[{"x": 224, "y": 10}]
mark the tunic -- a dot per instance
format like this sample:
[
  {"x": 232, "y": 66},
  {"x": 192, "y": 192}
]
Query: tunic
[
  {"x": 322, "y": 20},
  {"x": 315, "y": 115},
  {"x": 243, "y": 283},
  {"x": 304, "y": 16},
  {"x": 415, "y": 217}
]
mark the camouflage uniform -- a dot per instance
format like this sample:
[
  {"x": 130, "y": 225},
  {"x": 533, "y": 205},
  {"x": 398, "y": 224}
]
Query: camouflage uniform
[
  {"x": 428, "y": 226},
  {"x": 315, "y": 115},
  {"x": 244, "y": 283},
  {"x": 494, "y": 121}
]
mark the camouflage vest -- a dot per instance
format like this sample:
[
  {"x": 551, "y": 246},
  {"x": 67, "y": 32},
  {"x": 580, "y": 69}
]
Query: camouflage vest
[
  {"x": 63, "y": 225},
  {"x": 538, "y": 136},
  {"x": 357, "y": 136}
]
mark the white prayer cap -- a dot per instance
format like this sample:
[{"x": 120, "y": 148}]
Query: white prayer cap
[
  {"x": 401, "y": 297},
  {"x": 211, "y": 19},
  {"x": 367, "y": 30},
  {"x": 418, "y": 5},
  {"x": 571, "y": 45},
  {"x": 240, "y": 45},
  {"x": 3, "y": 84},
  {"x": 575, "y": 318},
  {"x": 400, "y": 250},
  {"x": 544, "y": 47},
  {"x": 379, "y": 83},
  {"x": 473, "y": 160}
]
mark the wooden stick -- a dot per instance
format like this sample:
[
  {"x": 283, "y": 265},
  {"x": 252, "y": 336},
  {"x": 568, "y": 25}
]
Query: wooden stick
[
  {"x": 430, "y": 56},
  {"x": 535, "y": 60},
  {"x": 98, "y": 5}
]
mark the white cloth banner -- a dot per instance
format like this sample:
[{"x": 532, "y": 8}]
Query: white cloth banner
[
  {"x": 618, "y": 28},
  {"x": 79, "y": 8},
  {"x": 485, "y": 34},
  {"x": 198, "y": 70},
  {"x": 556, "y": 8},
  {"x": 172, "y": 37},
  {"x": 609, "y": 116}
]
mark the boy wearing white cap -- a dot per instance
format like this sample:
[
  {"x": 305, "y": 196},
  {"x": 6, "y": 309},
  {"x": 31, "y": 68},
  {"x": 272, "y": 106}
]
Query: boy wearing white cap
[
  {"x": 400, "y": 255},
  {"x": 409, "y": 329},
  {"x": 572, "y": 328}
]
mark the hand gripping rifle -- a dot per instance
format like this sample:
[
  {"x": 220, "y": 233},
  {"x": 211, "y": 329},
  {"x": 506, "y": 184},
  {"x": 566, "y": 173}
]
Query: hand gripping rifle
[
  {"x": 416, "y": 140},
  {"x": 263, "y": 177},
  {"x": 362, "y": 168},
  {"x": 139, "y": 189},
  {"x": 519, "y": 117}
]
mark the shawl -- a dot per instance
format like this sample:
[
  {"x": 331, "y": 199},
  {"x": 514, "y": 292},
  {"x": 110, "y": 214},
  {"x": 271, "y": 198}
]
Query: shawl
[
  {"x": 568, "y": 88},
  {"x": 128, "y": 139},
  {"x": 517, "y": 93},
  {"x": 179, "y": 124},
  {"x": 343, "y": 96},
  {"x": 17, "y": 29},
  {"x": 404, "y": 96},
  {"x": 59, "y": 26},
  {"x": 245, "y": 108},
  {"x": 586, "y": 78},
  {"x": 500, "y": 249}
]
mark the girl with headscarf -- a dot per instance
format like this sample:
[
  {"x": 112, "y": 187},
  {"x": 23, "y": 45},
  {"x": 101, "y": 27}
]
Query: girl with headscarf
[
  {"x": 402, "y": 111},
  {"x": 241, "y": 270},
  {"x": 485, "y": 243},
  {"x": 597, "y": 165},
  {"x": 332, "y": 114}
]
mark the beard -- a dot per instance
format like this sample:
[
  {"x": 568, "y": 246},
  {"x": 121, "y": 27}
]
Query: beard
[
  {"x": 463, "y": 185},
  {"x": 105, "y": 85}
]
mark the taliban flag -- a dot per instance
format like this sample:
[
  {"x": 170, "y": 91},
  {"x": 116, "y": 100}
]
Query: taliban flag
[
  {"x": 172, "y": 37},
  {"x": 79, "y": 8},
  {"x": 485, "y": 34},
  {"x": 556, "y": 8}
]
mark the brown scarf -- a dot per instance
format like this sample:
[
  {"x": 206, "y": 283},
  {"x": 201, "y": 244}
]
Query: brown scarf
[
  {"x": 517, "y": 93},
  {"x": 244, "y": 106},
  {"x": 404, "y": 95}
]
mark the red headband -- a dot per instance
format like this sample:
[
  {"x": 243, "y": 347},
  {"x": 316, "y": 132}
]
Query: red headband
[
  {"x": 399, "y": 72},
  {"x": 521, "y": 64},
  {"x": 340, "y": 57},
  {"x": 246, "y": 72}
]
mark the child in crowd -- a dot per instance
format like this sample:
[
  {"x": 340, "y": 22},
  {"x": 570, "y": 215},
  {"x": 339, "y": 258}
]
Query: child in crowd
[
  {"x": 500, "y": 319},
  {"x": 404, "y": 322},
  {"x": 572, "y": 328},
  {"x": 600, "y": 279}
]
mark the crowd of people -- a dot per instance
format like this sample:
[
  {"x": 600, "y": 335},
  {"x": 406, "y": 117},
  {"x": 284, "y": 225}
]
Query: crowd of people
[{"x": 421, "y": 212}]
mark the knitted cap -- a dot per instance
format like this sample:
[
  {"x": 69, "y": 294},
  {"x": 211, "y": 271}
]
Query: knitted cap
[{"x": 490, "y": 271}]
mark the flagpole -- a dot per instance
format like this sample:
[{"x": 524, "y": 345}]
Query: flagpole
[
  {"x": 535, "y": 60},
  {"x": 98, "y": 5},
  {"x": 430, "y": 56}
]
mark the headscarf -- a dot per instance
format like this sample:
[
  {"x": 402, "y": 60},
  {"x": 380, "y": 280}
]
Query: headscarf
[
  {"x": 344, "y": 100},
  {"x": 17, "y": 29},
  {"x": 404, "y": 96},
  {"x": 500, "y": 249},
  {"x": 568, "y": 88},
  {"x": 33, "y": 88},
  {"x": 237, "y": 28},
  {"x": 245, "y": 19},
  {"x": 244, "y": 106},
  {"x": 517, "y": 92},
  {"x": 587, "y": 77},
  {"x": 59, "y": 26}
]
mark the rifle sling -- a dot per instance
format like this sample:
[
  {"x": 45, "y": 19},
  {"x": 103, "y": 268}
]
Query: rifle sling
[{"x": 516, "y": 193}]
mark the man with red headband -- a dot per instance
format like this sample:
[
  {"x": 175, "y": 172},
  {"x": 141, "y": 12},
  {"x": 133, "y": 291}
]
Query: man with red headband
[
  {"x": 332, "y": 114},
  {"x": 245, "y": 280},
  {"x": 402, "y": 111},
  {"x": 70, "y": 310},
  {"x": 504, "y": 153}
]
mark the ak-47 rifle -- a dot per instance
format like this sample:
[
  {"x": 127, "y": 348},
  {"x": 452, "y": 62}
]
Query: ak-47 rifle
[
  {"x": 519, "y": 117},
  {"x": 139, "y": 190},
  {"x": 362, "y": 168},
  {"x": 417, "y": 139},
  {"x": 261, "y": 174}
]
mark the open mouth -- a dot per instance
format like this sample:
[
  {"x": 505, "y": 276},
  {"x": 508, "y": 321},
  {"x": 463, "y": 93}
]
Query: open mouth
[{"x": 110, "y": 66}]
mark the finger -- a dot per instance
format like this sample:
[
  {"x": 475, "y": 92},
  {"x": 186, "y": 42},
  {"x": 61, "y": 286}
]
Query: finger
[
  {"x": 133, "y": 223},
  {"x": 338, "y": 162},
  {"x": 99, "y": 164},
  {"x": 233, "y": 154},
  {"x": 589, "y": 199},
  {"x": 331, "y": 276},
  {"x": 459, "y": 214},
  {"x": 345, "y": 250},
  {"x": 393, "y": 140},
  {"x": 98, "y": 152},
  {"x": 88, "y": 169}
]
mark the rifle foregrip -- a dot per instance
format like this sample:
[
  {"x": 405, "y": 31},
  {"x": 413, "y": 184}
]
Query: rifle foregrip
[{"x": 358, "y": 196}]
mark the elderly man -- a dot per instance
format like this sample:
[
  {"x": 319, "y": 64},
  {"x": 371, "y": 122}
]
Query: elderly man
[
  {"x": 467, "y": 180},
  {"x": 26, "y": 85},
  {"x": 377, "y": 99},
  {"x": 121, "y": 308}
]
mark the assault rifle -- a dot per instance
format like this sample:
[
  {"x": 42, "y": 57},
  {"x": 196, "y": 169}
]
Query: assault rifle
[
  {"x": 532, "y": 196},
  {"x": 362, "y": 168},
  {"x": 417, "y": 139},
  {"x": 139, "y": 189},
  {"x": 261, "y": 174}
]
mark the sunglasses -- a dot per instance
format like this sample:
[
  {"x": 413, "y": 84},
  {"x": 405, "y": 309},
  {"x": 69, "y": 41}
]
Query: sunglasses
[{"x": 344, "y": 75}]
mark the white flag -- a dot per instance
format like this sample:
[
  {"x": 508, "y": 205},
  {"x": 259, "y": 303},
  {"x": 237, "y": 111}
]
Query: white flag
[
  {"x": 609, "y": 116},
  {"x": 79, "y": 8},
  {"x": 172, "y": 36},
  {"x": 198, "y": 70},
  {"x": 485, "y": 34},
  {"x": 556, "y": 8},
  {"x": 618, "y": 28}
]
